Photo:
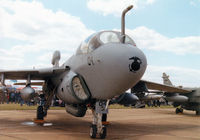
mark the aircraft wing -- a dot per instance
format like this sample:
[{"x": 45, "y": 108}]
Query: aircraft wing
[
  {"x": 35, "y": 74},
  {"x": 164, "y": 88}
]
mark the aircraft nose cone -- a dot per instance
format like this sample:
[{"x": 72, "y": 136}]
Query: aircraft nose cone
[{"x": 119, "y": 66}]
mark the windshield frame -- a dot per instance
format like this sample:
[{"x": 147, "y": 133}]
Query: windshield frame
[{"x": 94, "y": 41}]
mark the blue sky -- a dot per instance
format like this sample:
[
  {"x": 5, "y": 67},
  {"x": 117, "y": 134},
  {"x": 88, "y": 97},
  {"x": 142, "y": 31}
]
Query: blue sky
[
  {"x": 169, "y": 17},
  {"x": 168, "y": 32}
]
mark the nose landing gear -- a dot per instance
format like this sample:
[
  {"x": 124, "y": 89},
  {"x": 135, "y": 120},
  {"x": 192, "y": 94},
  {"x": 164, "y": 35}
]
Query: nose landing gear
[{"x": 99, "y": 112}]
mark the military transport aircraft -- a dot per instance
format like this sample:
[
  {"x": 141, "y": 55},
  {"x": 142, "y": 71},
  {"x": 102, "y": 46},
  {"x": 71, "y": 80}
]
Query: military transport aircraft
[
  {"x": 189, "y": 101},
  {"x": 106, "y": 64}
]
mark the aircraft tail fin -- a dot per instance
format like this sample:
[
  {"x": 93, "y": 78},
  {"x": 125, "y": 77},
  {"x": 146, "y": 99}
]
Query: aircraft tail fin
[{"x": 166, "y": 80}]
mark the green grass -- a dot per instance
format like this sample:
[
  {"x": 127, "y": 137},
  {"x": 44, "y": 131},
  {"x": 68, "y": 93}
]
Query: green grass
[
  {"x": 117, "y": 106},
  {"x": 169, "y": 106},
  {"x": 24, "y": 107}
]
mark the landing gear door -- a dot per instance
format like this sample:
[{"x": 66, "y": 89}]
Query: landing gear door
[{"x": 101, "y": 107}]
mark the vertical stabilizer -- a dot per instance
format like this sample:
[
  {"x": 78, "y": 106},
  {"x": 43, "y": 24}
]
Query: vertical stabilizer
[{"x": 166, "y": 80}]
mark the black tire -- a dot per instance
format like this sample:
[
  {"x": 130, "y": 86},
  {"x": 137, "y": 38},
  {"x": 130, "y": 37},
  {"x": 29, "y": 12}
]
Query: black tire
[
  {"x": 40, "y": 113},
  {"x": 93, "y": 131},
  {"x": 197, "y": 112},
  {"x": 177, "y": 110},
  {"x": 103, "y": 133}
]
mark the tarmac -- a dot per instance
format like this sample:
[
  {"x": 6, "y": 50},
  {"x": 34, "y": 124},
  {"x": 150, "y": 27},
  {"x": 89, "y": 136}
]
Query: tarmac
[{"x": 125, "y": 124}]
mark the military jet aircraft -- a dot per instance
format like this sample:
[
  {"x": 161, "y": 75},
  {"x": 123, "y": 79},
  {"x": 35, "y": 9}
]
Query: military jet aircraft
[
  {"x": 171, "y": 93},
  {"x": 137, "y": 100},
  {"x": 188, "y": 101},
  {"x": 106, "y": 64},
  {"x": 184, "y": 98}
]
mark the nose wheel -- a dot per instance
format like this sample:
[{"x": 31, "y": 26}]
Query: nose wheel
[
  {"x": 93, "y": 131},
  {"x": 98, "y": 128},
  {"x": 103, "y": 132},
  {"x": 99, "y": 115}
]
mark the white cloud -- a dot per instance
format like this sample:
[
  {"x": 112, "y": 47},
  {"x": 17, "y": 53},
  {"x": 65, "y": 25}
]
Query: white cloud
[
  {"x": 115, "y": 7},
  {"x": 179, "y": 76},
  {"x": 47, "y": 58},
  {"x": 194, "y": 2},
  {"x": 43, "y": 30},
  {"x": 9, "y": 58},
  {"x": 150, "y": 1},
  {"x": 150, "y": 39}
]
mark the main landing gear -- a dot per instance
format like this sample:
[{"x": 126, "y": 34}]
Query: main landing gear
[
  {"x": 99, "y": 112},
  {"x": 45, "y": 101},
  {"x": 42, "y": 109},
  {"x": 179, "y": 110},
  {"x": 41, "y": 112}
]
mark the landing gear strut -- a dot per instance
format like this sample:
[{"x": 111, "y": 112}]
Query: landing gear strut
[
  {"x": 45, "y": 101},
  {"x": 99, "y": 114}
]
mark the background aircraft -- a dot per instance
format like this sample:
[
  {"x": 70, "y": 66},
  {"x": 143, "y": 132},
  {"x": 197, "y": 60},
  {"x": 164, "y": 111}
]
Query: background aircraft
[{"x": 188, "y": 101}]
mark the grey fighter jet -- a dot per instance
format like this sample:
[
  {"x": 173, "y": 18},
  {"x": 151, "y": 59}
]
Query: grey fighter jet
[
  {"x": 186, "y": 98},
  {"x": 170, "y": 92},
  {"x": 106, "y": 64},
  {"x": 188, "y": 101}
]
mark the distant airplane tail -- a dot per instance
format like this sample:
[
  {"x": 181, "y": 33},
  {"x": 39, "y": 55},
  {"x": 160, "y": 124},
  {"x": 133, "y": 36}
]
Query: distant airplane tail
[{"x": 166, "y": 80}]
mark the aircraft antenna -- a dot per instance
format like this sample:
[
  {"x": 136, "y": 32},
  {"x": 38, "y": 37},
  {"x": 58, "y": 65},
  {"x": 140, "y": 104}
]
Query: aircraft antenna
[{"x": 123, "y": 22}]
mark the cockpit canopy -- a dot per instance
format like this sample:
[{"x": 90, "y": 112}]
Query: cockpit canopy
[{"x": 96, "y": 40}]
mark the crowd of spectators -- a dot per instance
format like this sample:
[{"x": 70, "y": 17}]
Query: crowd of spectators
[{"x": 12, "y": 96}]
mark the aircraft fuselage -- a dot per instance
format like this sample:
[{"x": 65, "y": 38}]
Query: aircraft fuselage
[{"x": 109, "y": 70}]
